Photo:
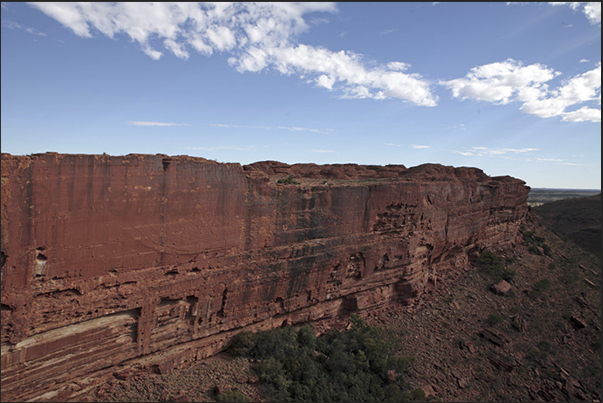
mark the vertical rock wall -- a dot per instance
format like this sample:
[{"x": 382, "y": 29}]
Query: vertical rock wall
[{"x": 149, "y": 261}]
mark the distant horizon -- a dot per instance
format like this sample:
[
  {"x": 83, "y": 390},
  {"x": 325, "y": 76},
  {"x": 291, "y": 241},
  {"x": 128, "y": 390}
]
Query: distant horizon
[
  {"x": 585, "y": 190},
  {"x": 509, "y": 88}
]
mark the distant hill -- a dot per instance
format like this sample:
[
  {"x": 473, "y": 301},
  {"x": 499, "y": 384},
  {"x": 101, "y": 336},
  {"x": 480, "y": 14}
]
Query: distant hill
[
  {"x": 538, "y": 196},
  {"x": 577, "y": 218}
]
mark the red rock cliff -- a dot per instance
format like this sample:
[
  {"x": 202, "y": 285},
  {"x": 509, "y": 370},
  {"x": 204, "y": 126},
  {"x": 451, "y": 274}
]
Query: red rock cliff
[{"x": 148, "y": 261}]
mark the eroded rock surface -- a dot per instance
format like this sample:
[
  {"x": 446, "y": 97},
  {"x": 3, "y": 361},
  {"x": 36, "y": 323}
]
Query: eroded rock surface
[{"x": 111, "y": 264}]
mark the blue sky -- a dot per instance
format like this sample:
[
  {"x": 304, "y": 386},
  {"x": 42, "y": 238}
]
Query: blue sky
[{"x": 513, "y": 89}]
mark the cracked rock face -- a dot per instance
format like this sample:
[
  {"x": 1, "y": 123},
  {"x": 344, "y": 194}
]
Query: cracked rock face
[{"x": 150, "y": 261}]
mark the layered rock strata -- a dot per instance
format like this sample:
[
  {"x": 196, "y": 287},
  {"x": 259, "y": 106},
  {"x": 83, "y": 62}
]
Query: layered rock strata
[{"x": 150, "y": 261}]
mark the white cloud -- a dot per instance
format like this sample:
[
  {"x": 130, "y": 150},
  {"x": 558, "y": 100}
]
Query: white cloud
[
  {"x": 584, "y": 60},
  {"x": 418, "y": 147},
  {"x": 549, "y": 159},
  {"x": 222, "y": 38},
  {"x": 500, "y": 81},
  {"x": 583, "y": 114},
  {"x": 346, "y": 69},
  {"x": 257, "y": 36},
  {"x": 398, "y": 66},
  {"x": 579, "y": 89},
  {"x": 592, "y": 11},
  {"x": 325, "y": 82},
  {"x": 162, "y": 124},
  {"x": 510, "y": 81}
]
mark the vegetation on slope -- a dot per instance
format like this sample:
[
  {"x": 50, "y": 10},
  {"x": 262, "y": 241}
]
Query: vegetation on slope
[{"x": 359, "y": 364}]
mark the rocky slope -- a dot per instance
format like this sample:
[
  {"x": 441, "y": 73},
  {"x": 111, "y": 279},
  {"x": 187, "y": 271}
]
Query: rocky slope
[
  {"x": 579, "y": 219},
  {"x": 113, "y": 264}
]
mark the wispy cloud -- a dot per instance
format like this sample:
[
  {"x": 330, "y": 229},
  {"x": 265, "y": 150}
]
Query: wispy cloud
[
  {"x": 257, "y": 36},
  {"x": 15, "y": 25},
  {"x": 387, "y": 31},
  {"x": 306, "y": 129},
  {"x": 222, "y": 125},
  {"x": 316, "y": 21},
  {"x": 511, "y": 81},
  {"x": 490, "y": 152},
  {"x": 584, "y": 60},
  {"x": 419, "y": 147},
  {"x": 142, "y": 123},
  {"x": 288, "y": 128}
]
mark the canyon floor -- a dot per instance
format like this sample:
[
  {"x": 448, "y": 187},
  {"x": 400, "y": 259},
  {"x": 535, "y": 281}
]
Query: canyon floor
[{"x": 539, "y": 341}]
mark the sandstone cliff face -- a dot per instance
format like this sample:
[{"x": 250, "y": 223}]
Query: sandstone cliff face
[{"x": 148, "y": 261}]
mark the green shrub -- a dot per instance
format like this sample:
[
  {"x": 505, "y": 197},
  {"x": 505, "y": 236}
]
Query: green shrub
[
  {"x": 536, "y": 356},
  {"x": 507, "y": 274},
  {"x": 545, "y": 346},
  {"x": 494, "y": 319},
  {"x": 543, "y": 285},
  {"x": 534, "y": 241},
  {"x": 306, "y": 337},
  {"x": 233, "y": 395},
  {"x": 539, "y": 288},
  {"x": 288, "y": 181},
  {"x": 418, "y": 395},
  {"x": 493, "y": 265},
  {"x": 489, "y": 261},
  {"x": 242, "y": 343}
]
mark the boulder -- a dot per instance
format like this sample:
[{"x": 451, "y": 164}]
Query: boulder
[{"x": 501, "y": 288}]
